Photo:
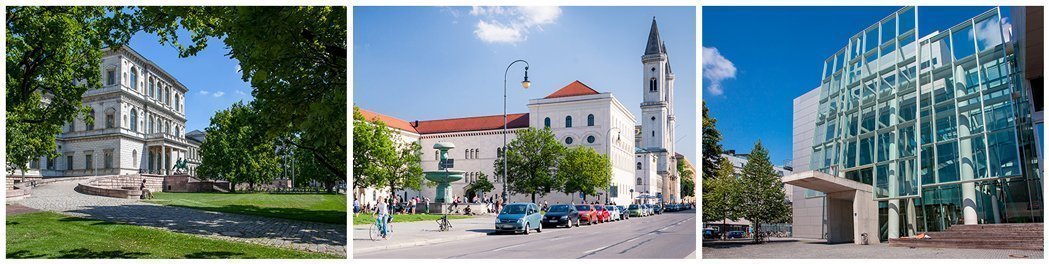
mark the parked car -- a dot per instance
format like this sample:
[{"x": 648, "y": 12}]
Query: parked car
[
  {"x": 673, "y": 207},
  {"x": 710, "y": 233},
  {"x": 648, "y": 209},
  {"x": 587, "y": 213},
  {"x": 657, "y": 209},
  {"x": 602, "y": 214},
  {"x": 736, "y": 234},
  {"x": 614, "y": 212},
  {"x": 561, "y": 214},
  {"x": 623, "y": 213},
  {"x": 519, "y": 217},
  {"x": 636, "y": 210}
]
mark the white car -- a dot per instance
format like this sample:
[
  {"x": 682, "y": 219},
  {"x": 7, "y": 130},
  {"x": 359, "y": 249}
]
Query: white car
[{"x": 614, "y": 213}]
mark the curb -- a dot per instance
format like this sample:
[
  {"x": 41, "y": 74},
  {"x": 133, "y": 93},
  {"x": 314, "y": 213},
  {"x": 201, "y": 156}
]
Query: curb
[{"x": 358, "y": 250}]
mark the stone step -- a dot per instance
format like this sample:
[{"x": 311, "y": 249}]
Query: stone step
[
  {"x": 987, "y": 235},
  {"x": 1017, "y": 227},
  {"x": 968, "y": 243}
]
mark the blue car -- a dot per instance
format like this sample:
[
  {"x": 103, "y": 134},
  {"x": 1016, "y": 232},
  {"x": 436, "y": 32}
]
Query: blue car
[{"x": 519, "y": 217}]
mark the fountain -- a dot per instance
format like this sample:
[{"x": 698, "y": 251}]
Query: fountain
[{"x": 443, "y": 176}]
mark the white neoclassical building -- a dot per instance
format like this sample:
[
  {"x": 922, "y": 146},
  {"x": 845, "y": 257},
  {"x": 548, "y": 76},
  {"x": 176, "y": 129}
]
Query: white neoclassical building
[
  {"x": 139, "y": 124},
  {"x": 578, "y": 115}
]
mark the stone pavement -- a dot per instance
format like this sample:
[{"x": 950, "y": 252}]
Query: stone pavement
[
  {"x": 422, "y": 233},
  {"x": 791, "y": 248},
  {"x": 307, "y": 236},
  {"x": 14, "y": 209}
]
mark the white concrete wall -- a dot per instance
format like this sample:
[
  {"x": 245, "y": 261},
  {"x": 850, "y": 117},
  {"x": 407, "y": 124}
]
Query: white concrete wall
[{"x": 808, "y": 213}]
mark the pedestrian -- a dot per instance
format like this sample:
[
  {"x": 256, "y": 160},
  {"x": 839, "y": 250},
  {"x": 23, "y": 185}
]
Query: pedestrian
[
  {"x": 356, "y": 207},
  {"x": 426, "y": 203}
]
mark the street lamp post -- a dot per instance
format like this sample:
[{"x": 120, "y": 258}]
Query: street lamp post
[
  {"x": 608, "y": 135},
  {"x": 524, "y": 84}
]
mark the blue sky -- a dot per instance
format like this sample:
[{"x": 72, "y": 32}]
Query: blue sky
[
  {"x": 777, "y": 54},
  {"x": 407, "y": 59},
  {"x": 212, "y": 77}
]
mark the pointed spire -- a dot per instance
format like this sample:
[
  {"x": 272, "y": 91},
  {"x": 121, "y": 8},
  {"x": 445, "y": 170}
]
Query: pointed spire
[{"x": 655, "y": 44}]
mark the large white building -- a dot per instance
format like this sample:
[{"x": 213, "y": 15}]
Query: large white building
[
  {"x": 139, "y": 124},
  {"x": 578, "y": 115}
]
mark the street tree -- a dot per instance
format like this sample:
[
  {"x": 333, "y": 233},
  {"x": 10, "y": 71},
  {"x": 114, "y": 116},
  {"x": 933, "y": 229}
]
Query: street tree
[
  {"x": 762, "y": 199},
  {"x": 531, "y": 162},
  {"x": 688, "y": 184},
  {"x": 294, "y": 58},
  {"x": 711, "y": 144},
  {"x": 235, "y": 150},
  {"x": 585, "y": 171},
  {"x": 370, "y": 139},
  {"x": 722, "y": 201},
  {"x": 53, "y": 57},
  {"x": 481, "y": 185}
]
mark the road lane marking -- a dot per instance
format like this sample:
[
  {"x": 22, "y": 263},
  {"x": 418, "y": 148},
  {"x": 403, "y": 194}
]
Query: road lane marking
[
  {"x": 508, "y": 247},
  {"x": 595, "y": 250}
]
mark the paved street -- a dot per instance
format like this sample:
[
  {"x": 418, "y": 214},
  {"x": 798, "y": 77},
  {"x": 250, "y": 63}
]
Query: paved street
[
  {"x": 788, "y": 248},
  {"x": 309, "y": 236},
  {"x": 670, "y": 235}
]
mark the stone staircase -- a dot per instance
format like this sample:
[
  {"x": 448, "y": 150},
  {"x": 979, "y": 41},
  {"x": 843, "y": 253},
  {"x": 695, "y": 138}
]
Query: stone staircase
[{"x": 988, "y": 236}]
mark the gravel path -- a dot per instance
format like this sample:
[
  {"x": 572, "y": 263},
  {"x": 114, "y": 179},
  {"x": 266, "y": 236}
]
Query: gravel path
[{"x": 308, "y": 236}]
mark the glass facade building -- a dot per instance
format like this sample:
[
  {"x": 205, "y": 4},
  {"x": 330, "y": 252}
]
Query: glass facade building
[{"x": 939, "y": 124}]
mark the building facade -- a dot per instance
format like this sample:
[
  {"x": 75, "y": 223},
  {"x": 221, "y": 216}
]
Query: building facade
[
  {"x": 578, "y": 116},
  {"x": 139, "y": 124},
  {"x": 927, "y": 131}
]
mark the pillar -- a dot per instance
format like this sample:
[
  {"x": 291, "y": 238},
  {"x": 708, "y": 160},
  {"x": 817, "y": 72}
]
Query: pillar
[
  {"x": 912, "y": 218},
  {"x": 966, "y": 171},
  {"x": 894, "y": 218},
  {"x": 163, "y": 161}
]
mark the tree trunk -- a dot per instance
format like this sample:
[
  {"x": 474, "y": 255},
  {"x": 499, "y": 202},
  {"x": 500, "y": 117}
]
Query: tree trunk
[{"x": 533, "y": 197}]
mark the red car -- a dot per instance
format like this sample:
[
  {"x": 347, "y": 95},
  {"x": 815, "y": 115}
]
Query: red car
[
  {"x": 602, "y": 214},
  {"x": 588, "y": 214}
]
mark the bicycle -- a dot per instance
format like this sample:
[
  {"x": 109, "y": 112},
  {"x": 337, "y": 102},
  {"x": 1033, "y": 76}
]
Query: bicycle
[
  {"x": 375, "y": 232},
  {"x": 443, "y": 224}
]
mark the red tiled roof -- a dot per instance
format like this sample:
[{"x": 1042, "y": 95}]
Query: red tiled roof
[
  {"x": 389, "y": 121},
  {"x": 472, "y": 123},
  {"x": 573, "y": 89},
  {"x": 491, "y": 122}
]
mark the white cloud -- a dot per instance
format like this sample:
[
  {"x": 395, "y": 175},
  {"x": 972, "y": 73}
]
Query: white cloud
[
  {"x": 218, "y": 94},
  {"x": 716, "y": 68},
  {"x": 239, "y": 92},
  {"x": 512, "y": 24},
  {"x": 238, "y": 67},
  {"x": 988, "y": 33},
  {"x": 204, "y": 92}
]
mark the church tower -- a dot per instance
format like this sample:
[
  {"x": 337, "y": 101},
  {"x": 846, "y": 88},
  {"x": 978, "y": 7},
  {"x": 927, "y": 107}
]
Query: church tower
[{"x": 657, "y": 110}]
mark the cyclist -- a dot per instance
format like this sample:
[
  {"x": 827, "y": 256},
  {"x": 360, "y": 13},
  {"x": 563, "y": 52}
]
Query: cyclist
[{"x": 382, "y": 212}]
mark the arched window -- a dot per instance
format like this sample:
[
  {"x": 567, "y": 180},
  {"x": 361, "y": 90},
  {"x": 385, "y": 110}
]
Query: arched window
[
  {"x": 590, "y": 139},
  {"x": 653, "y": 85},
  {"x": 134, "y": 158},
  {"x": 499, "y": 152},
  {"x": 638, "y": 180},
  {"x": 568, "y": 121},
  {"x": 568, "y": 141},
  {"x": 151, "y": 124},
  {"x": 639, "y": 165},
  {"x": 546, "y": 122},
  {"x": 590, "y": 120},
  {"x": 134, "y": 78},
  {"x": 134, "y": 120},
  {"x": 151, "y": 83},
  {"x": 477, "y": 153},
  {"x": 436, "y": 155}
]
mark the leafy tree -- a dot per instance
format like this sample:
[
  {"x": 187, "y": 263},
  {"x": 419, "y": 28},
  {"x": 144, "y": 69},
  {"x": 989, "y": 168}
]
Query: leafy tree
[
  {"x": 531, "y": 161},
  {"x": 370, "y": 138},
  {"x": 583, "y": 170},
  {"x": 237, "y": 151},
  {"x": 762, "y": 199},
  {"x": 688, "y": 184},
  {"x": 722, "y": 202},
  {"x": 308, "y": 170},
  {"x": 711, "y": 144},
  {"x": 401, "y": 167},
  {"x": 53, "y": 57},
  {"x": 294, "y": 57},
  {"x": 482, "y": 185}
]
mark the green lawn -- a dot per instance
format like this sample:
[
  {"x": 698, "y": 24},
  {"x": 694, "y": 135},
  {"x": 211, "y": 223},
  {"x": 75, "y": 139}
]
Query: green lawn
[
  {"x": 52, "y": 235},
  {"x": 400, "y": 218},
  {"x": 325, "y": 208}
]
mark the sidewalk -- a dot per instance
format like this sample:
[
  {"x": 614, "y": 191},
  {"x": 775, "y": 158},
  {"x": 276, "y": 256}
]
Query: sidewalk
[{"x": 422, "y": 233}]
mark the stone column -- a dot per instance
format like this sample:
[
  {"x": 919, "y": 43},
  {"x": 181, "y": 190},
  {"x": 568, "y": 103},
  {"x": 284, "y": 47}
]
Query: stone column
[
  {"x": 163, "y": 160},
  {"x": 966, "y": 171},
  {"x": 912, "y": 218}
]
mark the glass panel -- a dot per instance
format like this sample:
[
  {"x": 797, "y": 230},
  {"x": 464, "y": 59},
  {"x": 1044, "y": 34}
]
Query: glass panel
[
  {"x": 907, "y": 20},
  {"x": 963, "y": 43},
  {"x": 973, "y": 157},
  {"x": 994, "y": 73},
  {"x": 866, "y": 150},
  {"x": 850, "y": 154},
  {"x": 926, "y": 128},
  {"x": 888, "y": 30},
  {"x": 871, "y": 39},
  {"x": 868, "y": 120},
  {"x": 943, "y": 85},
  {"x": 885, "y": 114},
  {"x": 927, "y": 173},
  {"x": 907, "y": 178},
  {"x": 947, "y": 162},
  {"x": 888, "y": 82},
  {"x": 939, "y": 52},
  {"x": 988, "y": 33},
  {"x": 999, "y": 116},
  {"x": 968, "y": 78},
  {"x": 830, "y": 133},
  {"x": 908, "y": 47},
  {"x": 907, "y": 144},
  {"x": 869, "y": 89},
  {"x": 970, "y": 122},
  {"x": 946, "y": 128},
  {"x": 881, "y": 187},
  {"x": 1003, "y": 155},
  {"x": 885, "y": 144},
  {"x": 908, "y": 107}
]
